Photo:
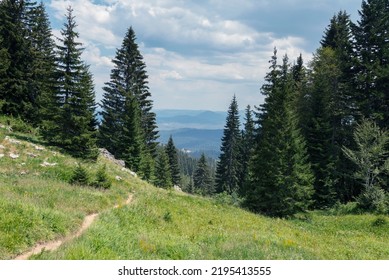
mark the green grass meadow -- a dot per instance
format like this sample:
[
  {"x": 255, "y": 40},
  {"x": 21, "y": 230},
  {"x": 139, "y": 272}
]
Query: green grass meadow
[{"x": 37, "y": 204}]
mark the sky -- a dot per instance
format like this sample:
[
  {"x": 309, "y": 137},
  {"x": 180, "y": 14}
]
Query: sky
[{"x": 199, "y": 53}]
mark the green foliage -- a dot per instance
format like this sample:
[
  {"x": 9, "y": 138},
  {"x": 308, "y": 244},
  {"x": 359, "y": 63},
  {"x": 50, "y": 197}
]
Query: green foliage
[
  {"x": 228, "y": 199},
  {"x": 128, "y": 128},
  {"x": 371, "y": 154},
  {"x": 380, "y": 222},
  {"x": 167, "y": 217},
  {"x": 80, "y": 176},
  {"x": 69, "y": 121},
  {"x": 228, "y": 170},
  {"x": 351, "y": 208},
  {"x": 171, "y": 152},
  {"x": 370, "y": 62},
  {"x": 163, "y": 177},
  {"x": 247, "y": 146},
  {"x": 102, "y": 179},
  {"x": 374, "y": 199},
  {"x": 281, "y": 178},
  {"x": 323, "y": 125},
  {"x": 202, "y": 181}
]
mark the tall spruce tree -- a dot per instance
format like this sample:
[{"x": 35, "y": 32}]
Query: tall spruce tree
[
  {"x": 321, "y": 127},
  {"x": 72, "y": 124},
  {"x": 228, "y": 169},
  {"x": 129, "y": 131},
  {"x": 15, "y": 95},
  {"x": 43, "y": 69},
  {"x": 248, "y": 140},
  {"x": 202, "y": 181},
  {"x": 163, "y": 178},
  {"x": 5, "y": 62},
  {"x": 171, "y": 152},
  {"x": 372, "y": 56},
  {"x": 132, "y": 143},
  {"x": 332, "y": 108},
  {"x": 281, "y": 178},
  {"x": 128, "y": 78}
]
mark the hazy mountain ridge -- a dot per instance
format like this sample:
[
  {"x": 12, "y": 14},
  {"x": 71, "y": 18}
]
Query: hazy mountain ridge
[
  {"x": 198, "y": 119},
  {"x": 195, "y": 131}
]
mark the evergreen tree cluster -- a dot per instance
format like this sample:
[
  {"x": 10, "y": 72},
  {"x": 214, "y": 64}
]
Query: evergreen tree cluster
[
  {"x": 50, "y": 86},
  {"x": 300, "y": 150}
]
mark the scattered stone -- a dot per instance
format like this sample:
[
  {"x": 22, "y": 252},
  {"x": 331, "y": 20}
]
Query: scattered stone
[
  {"x": 130, "y": 172},
  {"x": 32, "y": 155},
  {"x": 38, "y": 148},
  {"x": 13, "y": 156},
  {"x": 118, "y": 178},
  {"x": 12, "y": 141},
  {"x": 45, "y": 164},
  {"x": 2, "y": 147},
  {"x": 177, "y": 188},
  {"x": 105, "y": 153},
  {"x": 6, "y": 127},
  {"x": 23, "y": 172}
]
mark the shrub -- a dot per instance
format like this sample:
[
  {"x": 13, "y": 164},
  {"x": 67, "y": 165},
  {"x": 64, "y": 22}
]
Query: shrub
[
  {"x": 102, "y": 179},
  {"x": 228, "y": 199},
  {"x": 80, "y": 176},
  {"x": 379, "y": 222},
  {"x": 345, "y": 209},
  {"x": 374, "y": 199}
]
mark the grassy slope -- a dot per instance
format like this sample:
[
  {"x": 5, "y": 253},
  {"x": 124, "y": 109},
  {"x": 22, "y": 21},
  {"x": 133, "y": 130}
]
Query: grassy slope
[{"x": 160, "y": 224}]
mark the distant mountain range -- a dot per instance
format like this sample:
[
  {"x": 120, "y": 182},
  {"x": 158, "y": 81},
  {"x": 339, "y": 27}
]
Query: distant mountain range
[
  {"x": 193, "y": 131},
  {"x": 195, "y": 141},
  {"x": 177, "y": 119}
]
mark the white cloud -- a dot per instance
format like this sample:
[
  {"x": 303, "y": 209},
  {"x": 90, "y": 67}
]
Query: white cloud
[{"x": 195, "y": 51}]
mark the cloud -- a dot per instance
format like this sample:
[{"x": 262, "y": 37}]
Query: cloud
[{"x": 199, "y": 50}]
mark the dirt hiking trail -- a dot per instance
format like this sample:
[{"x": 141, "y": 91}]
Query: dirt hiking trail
[{"x": 53, "y": 245}]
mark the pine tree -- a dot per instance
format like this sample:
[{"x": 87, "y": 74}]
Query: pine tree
[
  {"x": 128, "y": 78},
  {"x": 372, "y": 56},
  {"x": 5, "y": 63},
  {"x": 132, "y": 143},
  {"x": 202, "y": 182},
  {"x": 163, "y": 178},
  {"x": 173, "y": 162},
  {"x": 128, "y": 126},
  {"x": 331, "y": 109},
  {"x": 43, "y": 68},
  {"x": 248, "y": 140},
  {"x": 322, "y": 126},
  {"x": 281, "y": 178},
  {"x": 15, "y": 94},
  {"x": 228, "y": 169},
  {"x": 372, "y": 162},
  {"x": 72, "y": 125}
]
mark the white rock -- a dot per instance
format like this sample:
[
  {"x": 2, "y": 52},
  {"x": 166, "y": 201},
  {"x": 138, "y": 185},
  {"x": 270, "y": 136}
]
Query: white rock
[
  {"x": 11, "y": 140},
  {"x": 38, "y": 148},
  {"x": 45, "y": 163},
  {"x": 2, "y": 147},
  {"x": 1, "y": 155},
  {"x": 13, "y": 156},
  {"x": 118, "y": 178},
  {"x": 177, "y": 188},
  {"x": 129, "y": 171}
]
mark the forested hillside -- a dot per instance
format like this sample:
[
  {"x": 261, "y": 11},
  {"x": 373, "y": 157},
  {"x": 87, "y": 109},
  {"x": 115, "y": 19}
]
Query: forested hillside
[{"x": 319, "y": 140}]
